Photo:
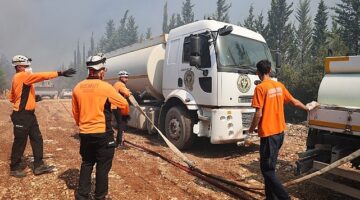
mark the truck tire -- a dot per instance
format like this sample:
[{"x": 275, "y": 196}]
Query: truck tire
[{"x": 179, "y": 127}]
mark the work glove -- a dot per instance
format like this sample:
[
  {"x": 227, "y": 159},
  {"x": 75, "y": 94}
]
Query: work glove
[
  {"x": 125, "y": 118},
  {"x": 67, "y": 73},
  {"x": 312, "y": 105},
  {"x": 37, "y": 98}
]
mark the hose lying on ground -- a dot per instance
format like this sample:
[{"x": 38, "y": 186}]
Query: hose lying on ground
[
  {"x": 239, "y": 192},
  {"x": 333, "y": 165},
  {"x": 337, "y": 163},
  {"x": 171, "y": 146}
]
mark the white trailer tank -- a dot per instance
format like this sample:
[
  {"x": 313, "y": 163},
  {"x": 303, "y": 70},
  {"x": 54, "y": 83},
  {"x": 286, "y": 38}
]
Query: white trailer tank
[{"x": 144, "y": 62}]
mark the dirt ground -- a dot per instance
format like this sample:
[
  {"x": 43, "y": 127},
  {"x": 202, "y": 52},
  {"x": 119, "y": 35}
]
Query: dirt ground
[{"x": 136, "y": 174}]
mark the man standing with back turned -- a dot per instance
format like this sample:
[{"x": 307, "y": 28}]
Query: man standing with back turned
[
  {"x": 91, "y": 108},
  {"x": 269, "y": 99},
  {"x": 22, "y": 96}
]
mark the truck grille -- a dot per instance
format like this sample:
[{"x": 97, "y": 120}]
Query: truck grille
[
  {"x": 245, "y": 99},
  {"x": 247, "y": 119}
]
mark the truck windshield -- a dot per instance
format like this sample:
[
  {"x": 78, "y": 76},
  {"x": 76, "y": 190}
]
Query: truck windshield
[{"x": 240, "y": 54}]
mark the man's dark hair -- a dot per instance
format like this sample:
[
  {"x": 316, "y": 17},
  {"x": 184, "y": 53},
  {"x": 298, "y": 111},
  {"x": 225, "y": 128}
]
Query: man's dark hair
[{"x": 263, "y": 67}]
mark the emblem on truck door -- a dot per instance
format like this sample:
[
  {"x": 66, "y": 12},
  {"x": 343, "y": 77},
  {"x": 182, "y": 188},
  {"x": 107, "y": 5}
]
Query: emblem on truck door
[
  {"x": 243, "y": 83},
  {"x": 189, "y": 79}
]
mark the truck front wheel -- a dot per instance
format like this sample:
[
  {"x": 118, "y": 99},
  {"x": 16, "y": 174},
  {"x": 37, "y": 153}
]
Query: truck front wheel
[{"x": 179, "y": 127}]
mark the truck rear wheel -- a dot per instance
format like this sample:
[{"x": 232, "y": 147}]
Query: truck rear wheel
[{"x": 179, "y": 127}]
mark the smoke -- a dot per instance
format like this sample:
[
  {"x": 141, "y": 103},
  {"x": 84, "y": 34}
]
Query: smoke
[{"x": 48, "y": 30}]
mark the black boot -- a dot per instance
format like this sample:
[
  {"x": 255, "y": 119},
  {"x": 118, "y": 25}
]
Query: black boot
[
  {"x": 42, "y": 169},
  {"x": 18, "y": 173}
]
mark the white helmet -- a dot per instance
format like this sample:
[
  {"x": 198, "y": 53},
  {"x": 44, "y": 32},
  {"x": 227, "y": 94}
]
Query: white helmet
[
  {"x": 20, "y": 60},
  {"x": 96, "y": 62},
  {"x": 123, "y": 73}
]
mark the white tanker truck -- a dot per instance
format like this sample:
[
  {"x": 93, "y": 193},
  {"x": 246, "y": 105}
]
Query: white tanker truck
[{"x": 196, "y": 81}]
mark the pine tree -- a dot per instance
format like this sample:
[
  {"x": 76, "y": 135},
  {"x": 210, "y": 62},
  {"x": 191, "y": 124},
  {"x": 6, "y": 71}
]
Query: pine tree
[
  {"x": 278, "y": 27},
  {"x": 122, "y": 32},
  {"x": 303, "y": 33},
  {"x": 109, "y": 35},
  {"x": 335, "y": 44},
  {"x": 78, "y": 55},
  {"x": 148, "y": 33},
  {"x": 249, "y": 22},
  {"x": 106, "y": 43},
  {"x": 348, "y": 17},
  {"x": 83, "y": 58},
  {"x": 187, "y": 12},
  {"x": 259, "y": 24},
  {"x": 110, "y": 29},
  {"x": 320, "y": 29},
  {"x": 75, "y": 64},
  {"x": 141, "y": 38},
  {"x": 292, "y": 48},
  {"x": 132, "y": 32},
  {"x": 4, "y": 76},
  {"x": 172, "y": 23},
  {"x": 165, "y": 26},
  {"x": 7, "y": 72},
  {"x": 222, "y": 11},
  {"x": 2, "y": 80},
  {"x": 179, "y": 21}
]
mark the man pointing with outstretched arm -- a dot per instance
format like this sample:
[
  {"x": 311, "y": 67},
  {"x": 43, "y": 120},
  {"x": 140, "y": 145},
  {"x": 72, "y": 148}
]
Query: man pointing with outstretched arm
[{"x": 22, "y": 96}]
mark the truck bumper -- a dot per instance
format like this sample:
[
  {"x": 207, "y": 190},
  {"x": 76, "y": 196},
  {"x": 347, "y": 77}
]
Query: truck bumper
[{"x": 230, "y": 125}]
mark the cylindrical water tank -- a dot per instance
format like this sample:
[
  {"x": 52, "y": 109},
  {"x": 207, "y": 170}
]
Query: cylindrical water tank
[
  {"x": 145, "y": 67},
  {"x": 340, "y": 90},
  {"x": 342, "y": 65}
]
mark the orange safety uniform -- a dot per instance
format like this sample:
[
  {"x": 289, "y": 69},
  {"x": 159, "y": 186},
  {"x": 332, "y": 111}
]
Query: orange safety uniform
[
  {"x": 121, "y": 88},
  {"x": 22, "y": 94},
  {"x": 270, "y": 96},
  {"x": 91, "y": 105}
]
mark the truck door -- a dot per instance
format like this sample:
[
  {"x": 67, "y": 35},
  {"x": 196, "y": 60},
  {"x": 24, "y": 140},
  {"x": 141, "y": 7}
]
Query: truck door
[
  {"x": 202, "y": 84},
  {"x": 171, "y": 67}
]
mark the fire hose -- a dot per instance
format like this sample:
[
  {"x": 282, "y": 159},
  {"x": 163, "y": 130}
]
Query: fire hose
[
  {"x": 171, "y": 146},
  {"x": 211, "y": 179},
  {"x": 246, "y": 186},
  {"x": 333, "y": 165},
  {"x": 191, "y": 169},
  {"x": 208, "y": 177}
]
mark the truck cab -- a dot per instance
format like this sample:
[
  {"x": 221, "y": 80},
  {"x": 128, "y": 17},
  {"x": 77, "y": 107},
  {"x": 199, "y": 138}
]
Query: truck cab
[{"x": 219, "y": 90}]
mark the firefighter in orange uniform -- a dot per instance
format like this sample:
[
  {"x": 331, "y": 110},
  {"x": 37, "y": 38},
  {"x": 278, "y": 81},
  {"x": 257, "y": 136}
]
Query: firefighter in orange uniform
[
  {"x": 269, "y": 99},
  {"x": 22, "y": 96},
  {"x": 121, "y": 116},
  {"x": 91, "y": 108}
]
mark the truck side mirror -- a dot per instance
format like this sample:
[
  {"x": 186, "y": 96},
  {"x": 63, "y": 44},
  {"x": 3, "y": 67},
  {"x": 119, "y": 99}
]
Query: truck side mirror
[
  {"x": 226, "y": 30},
  {"x": 195, "y": 44},
  {"x": 277, "y": 62},
  {"x": 195, "y": 51},
  {"x": 278, "y": 59},
  {"x": 195, "y": 61}
]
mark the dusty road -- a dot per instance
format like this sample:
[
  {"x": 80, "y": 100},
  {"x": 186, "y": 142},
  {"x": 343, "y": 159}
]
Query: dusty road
[{"x": 136, "y": 174}]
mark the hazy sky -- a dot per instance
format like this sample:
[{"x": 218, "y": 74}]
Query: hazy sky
[{"x": 48, "y": 30}]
